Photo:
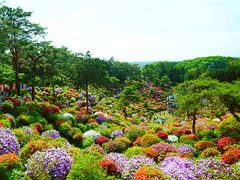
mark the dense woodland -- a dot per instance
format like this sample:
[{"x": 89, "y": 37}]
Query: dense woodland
[{"x": 82, "y": 117}]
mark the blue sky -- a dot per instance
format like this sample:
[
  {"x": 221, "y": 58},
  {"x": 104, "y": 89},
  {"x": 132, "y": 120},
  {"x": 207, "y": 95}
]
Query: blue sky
[{"x": 140, "y": 30}]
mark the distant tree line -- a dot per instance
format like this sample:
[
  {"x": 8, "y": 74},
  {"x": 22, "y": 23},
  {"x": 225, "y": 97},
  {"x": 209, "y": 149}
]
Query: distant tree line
[{"x": 216, "y": 67}]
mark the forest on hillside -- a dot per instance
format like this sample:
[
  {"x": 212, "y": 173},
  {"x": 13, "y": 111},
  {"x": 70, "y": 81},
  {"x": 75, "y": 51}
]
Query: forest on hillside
[{"x": 71, "y": 115}]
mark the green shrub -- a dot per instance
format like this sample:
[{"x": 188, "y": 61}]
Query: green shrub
[
  {"x": 87, "y": 142},
  {"x": 155, "y": 127},
  {"x": 86, "y": 167},
  {"x": 7, "y": 107},
  {"x": 229, "y": 127},
  {"x": 22, "y": 109},
  {"x": 64, "y": 128},
  {"x": 132, "y": 151},
  {"x": 149, "y": 139},
  {"x": 133, "y": 132}
]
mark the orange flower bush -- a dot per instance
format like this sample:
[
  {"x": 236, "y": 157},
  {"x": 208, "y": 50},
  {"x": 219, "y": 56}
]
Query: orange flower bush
[
  {"x": 8, "y": 161},
  {"x": 148, "y": 173},
  {"x": 109, "y": 165},
  {"x": 201, "y": 145}
]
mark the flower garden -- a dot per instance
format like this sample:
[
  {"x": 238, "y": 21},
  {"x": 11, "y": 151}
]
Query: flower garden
[{"x": 54, "y": 137}]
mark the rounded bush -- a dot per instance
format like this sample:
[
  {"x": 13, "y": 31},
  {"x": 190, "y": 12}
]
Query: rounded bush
[
  {"x": 8, "y": 142},
  {"x": 53, "y": 162},
  {"x": 149, "y": 139},
  {"x": 231, "y": 156},
  {"x": 201, "y": 145}
]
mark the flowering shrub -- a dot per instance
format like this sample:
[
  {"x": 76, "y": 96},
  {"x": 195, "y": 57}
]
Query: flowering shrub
[
  {"x": 224, "y": 143},
  {"x": 172, "y": 138},
  {"x": 164, "y": 148},
  {"x": 133, "y": 132},
  {"x": 94, "y": 147},
  {"x": 180, "y": 168},
  {"x": 91, "y": 134},
  {"x": 180, "y": 132},
  {"x": 87, "y": 142},
  {"x": 132, "y": 151},
  {"x": 101, "y": 139},
  {"x": 134, "y": 164},
  {"x": 231, "y": 156},
  {"x": 8, "y": 142},
  {"x": 116, "y": 133},
  {"x": 109, "y": 165},
  {"x": 87, "y": 167},
  {"x": 149, "y": 139},
  {"x": 162, "y": 134},
  {"x": 148, "y": 173},
  {"x": 119, "y": 159},
  {"x": 7, "y": 107},
  {"x": 54, "y": 162},
  {"x": 30, "y": 148},
  {"x": 211, "y": 151},
  {"x": 149, "y": 152},
  {"x": 109, "y": 146},
  {"x": 137, "y": 142},
  {"x": 214, "y": 169},
  {"x": 100, "y": 119},
  {"x": 201, "y": 145},
  {"x": 121, "y": 144},
  {"x": 51, "y": 134},
  {"x": 230, "y": 127},
  {"x": 67, "y": 117},
  {"x": 8, "y": 162},
  {"x": 185, "y": 150},
  {"x": 27, "y": 130}
]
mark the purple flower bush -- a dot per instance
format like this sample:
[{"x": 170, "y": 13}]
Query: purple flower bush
[
  {"x": 100, "y": 119},
  {"x": 91, "y": 98},
  {"x": 215, "y": 168},
  {"x": 51, "y": 134},
  {"x": 119, "y": 159},
  {"x": 54, "y": 163},
  {"x": 27, "y": 130},
  {"x": 8, "y": 142},
  {"x": 185, "y": 149},
  {"x": 134, "y": 164},
  {"x": 116, "y": 133},
  {"x": 181, "y": 168}
]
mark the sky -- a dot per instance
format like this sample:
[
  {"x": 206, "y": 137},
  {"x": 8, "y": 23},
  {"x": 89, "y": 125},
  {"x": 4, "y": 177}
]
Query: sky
[{"x": 140, "y": 30}]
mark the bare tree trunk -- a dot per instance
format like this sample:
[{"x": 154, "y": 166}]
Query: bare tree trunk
[
  {"x": 15, "y": 60},
  {"x": 125, "y": 112},
  {"x": 87, "y": 97},
  {"x": 194, "y": 121},
  {"x": 33, "y": 81}
]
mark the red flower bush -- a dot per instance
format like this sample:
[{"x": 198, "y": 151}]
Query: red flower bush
[
  {"x": 101, "y": 139},
  {"x": 51, "y": 109},
  {"x": 224, "y": 142},
  {"x": 231, "y": 156},
  {"x": 162, "y": 134},
  {"x": 109, "y": 165},
  {"x": 180, "y": 132},
  {"x": 38, "y": 127}
]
